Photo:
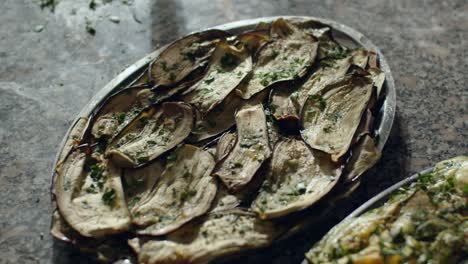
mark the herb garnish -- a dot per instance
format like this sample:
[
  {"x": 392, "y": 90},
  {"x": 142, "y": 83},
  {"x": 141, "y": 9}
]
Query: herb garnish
[
  {"x": 120, "y": 117},
  {"x": 321, "y": 101},
  {"x": 209, "y": 80},
  {"x": 89, "y": 27},
  {"x": 109, "y": 197},
  {"x": 187, "y": 195}
]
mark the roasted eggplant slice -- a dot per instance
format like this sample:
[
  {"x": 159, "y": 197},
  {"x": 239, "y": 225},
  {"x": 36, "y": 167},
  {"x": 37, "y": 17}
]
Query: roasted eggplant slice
[
  {"x": 138, "y": 183},
  {"x": 184, "y": 191},
  {"x": 284, "y": 59},
  {"x": 283, "y": 108},
  {"x": 287, "y": 101},
  {"x": 228, "y": 67},
  {"x": 119, "y": 110},
  {"x": 330, "y": 118},
  {"x": 206, "y": 239},
  {"x": 221, "y": 118},
  {"x": 365, "y": 155},
  {"x": 90, "y": 196},
  {"x": 251, "y": 150},
  {"x": 184, "y": 56},
  {"x": 154, "y": 132},
  {"x": 328, "y": 72},
  {"x": 296, "y": 179}
]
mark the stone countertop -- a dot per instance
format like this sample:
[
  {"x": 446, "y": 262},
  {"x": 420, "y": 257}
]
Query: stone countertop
[{"x": 50, "y": 67}]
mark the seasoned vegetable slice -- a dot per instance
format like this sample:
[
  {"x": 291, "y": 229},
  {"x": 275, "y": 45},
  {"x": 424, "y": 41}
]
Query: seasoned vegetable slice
[
  {"x": 251, "y": 149},
  {"x": 208, "y": 238},
  {"x": 281, "y": 105},
  {"x": 184, "y": 56},
  {"x": 119, "y": 110},
  {"x": 365, "y": 155},
  {"x": 296, "y": 179},
  {"x": 184, "y": 191},
  {"x": 285, "y": 58},
  {"x": 330, "y": 119},
  {"x": 151, "y": 134},
  {"x": 228, "y": 67},
  {"x": 221, "y": 118},
  {"x": 138, "y": 183},
  {"x": 90, "y": 196}
]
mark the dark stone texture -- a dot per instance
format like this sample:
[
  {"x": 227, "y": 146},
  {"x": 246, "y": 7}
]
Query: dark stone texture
[{"x": 46, "y": 77}]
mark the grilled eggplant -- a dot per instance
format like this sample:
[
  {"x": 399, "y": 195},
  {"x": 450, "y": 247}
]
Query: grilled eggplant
[
  {"x": 203, "y": 240},
  {"x": 283, "y": 59},
  {"x": 228, "y": 67},
  {"x": 90, "y": 196},
  {"x": 119, "y": 110},
  {"x": 184, "y": 56},
  {"x": 297, "y": 178},
  {"x": 184, "y": 191},
  {"x": 251, "y": 150},
  {"x": 330, "y": 119},
  {"x": 151, "y": 134}
]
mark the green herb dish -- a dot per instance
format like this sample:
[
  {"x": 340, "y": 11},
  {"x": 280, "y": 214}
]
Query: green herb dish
[{"x": 424, "y": 220}]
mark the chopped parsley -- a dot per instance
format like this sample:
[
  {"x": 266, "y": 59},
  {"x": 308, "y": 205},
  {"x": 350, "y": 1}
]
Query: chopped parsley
[
  {"x": 237, "y": 164},
  {"x": 184, "y": 196},
  {"x": 321, "y": 101},
  {"x": 327, "y": 129},
  {"x": 142, "y": 159},
  {"x": 190, "y": 56},
  {"x": 164, "y": 66},
  {"x": 51, "y": 4},
  {"x": 109, "y": 197},
  {"x": 333, "y": 117},
  {"x": 120, "y": 117},
  {"x": 89, "y": 27},
  {"x": 209, "y": 80},
  {"x": 172, "y": 76},
  {"x": 274, "y": 53}
]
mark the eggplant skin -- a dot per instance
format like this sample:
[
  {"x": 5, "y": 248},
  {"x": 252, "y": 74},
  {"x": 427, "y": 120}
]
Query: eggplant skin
[
  {"x": 297, "y": 178},
  {"x": 152, "y": 134}
]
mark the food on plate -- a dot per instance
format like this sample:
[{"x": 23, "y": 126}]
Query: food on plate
[
  {"x": 422, "y": 222},
  {"x": 218, "y": 144}
]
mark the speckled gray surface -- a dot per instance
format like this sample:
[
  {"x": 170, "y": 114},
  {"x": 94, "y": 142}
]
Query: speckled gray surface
[{"x": 47, "y": 76}]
